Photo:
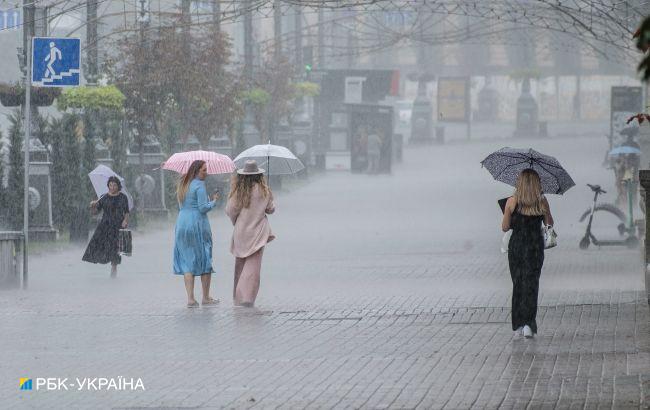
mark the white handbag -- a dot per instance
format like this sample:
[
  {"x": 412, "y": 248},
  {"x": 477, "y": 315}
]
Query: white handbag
[
  {"x": 505, "y": 241},
  {"x": 550, "y": 237}
]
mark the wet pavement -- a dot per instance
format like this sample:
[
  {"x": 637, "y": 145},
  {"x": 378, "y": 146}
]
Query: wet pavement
[{"x": 381, "y": 291}]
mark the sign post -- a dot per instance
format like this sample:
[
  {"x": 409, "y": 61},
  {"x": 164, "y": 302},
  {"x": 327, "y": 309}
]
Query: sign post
[
  {"x": 51, "y": 62},
  {"x": 625, "y": 102}
]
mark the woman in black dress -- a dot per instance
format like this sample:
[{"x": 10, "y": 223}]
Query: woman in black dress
[
  {"x": 103, "y": 245},
  {"x": 524, "y": 213}
]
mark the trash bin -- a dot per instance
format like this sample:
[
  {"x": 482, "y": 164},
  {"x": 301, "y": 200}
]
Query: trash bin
[
  {"x": 10, "y": 259},
  {"x": 79, "y": 225},
  {"x": 440, "y": 134}
]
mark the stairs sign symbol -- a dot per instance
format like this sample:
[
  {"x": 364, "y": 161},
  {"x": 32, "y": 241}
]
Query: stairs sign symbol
[{"x": 56, "y": 62}]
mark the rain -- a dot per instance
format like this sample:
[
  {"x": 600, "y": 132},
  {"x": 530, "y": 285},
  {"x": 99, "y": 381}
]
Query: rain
[{"x": 358, "y": 232}]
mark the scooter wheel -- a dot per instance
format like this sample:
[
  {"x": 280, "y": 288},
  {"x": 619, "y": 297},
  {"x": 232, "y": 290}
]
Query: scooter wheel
[
  {"x": 622, "y": 229},
  {"x": 632, "y": 242},
  {"x": 584, "y": 243}
]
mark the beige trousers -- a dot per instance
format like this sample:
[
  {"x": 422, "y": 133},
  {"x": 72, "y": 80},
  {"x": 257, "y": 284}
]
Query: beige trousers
[{"x": 247, "y": 278}]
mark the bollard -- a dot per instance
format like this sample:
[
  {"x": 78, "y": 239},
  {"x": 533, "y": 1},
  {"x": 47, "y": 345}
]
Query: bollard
[
  {"x": 10, "y": 259},
  {"x": 644, "y": 179}
]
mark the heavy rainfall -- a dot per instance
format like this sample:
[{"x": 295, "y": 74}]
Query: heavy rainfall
[{"x": 324, "y": 204}]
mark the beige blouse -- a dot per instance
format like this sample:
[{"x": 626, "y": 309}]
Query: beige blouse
[{"x": 251, "y": 226}]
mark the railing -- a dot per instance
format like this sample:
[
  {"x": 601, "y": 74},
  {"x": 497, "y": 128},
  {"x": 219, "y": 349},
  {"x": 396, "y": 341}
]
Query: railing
[{"x": 11, "y": 256}]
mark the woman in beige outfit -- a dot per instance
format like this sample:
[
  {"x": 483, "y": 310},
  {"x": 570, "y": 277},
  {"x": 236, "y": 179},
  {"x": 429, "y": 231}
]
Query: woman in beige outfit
[{"x": 249, "y": 201}]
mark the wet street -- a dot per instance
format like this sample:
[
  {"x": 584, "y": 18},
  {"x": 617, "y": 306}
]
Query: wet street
[{"x": 384, "y": 291}]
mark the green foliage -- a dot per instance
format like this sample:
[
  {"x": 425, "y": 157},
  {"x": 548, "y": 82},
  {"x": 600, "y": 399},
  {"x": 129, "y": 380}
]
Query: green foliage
[
  {"x": 13, "y": 94},
  {"x": 88, "y": 163},
  {"x": 643, "y": 44},
  {"x": 67, "y": 195},
  {"x": 107, "y": 97},
  {"x": 256, "y": 96},
  {"x": 3, "y": 191},
  {"x": 169, "y": 81},
  {"x": 15, "y": 181},
  {"x": 305, "y": 89},
  {"x": 522, "y": 74}
]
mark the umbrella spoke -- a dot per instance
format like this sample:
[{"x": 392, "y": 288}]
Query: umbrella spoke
[{"x": 508, "y": 166}]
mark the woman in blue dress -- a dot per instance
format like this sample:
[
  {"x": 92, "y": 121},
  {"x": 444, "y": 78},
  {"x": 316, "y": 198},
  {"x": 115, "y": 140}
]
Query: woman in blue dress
[{"x": 193, "y": 237}]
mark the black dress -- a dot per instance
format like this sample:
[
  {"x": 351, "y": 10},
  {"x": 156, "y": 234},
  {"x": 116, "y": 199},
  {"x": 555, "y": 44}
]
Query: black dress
[
  {"x": 103, "y": 245},
  {"x": 525, "y": 258}
]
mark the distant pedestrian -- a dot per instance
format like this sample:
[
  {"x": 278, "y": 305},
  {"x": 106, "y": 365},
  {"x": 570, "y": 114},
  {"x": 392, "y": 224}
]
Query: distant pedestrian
[
  {"x": 524, "y": 213},
  {"x": 193, "y": 235},
  {"x": 103, "y": 246},
  {"x": 374, "y": 152},
  {"x": 249, "y": 201}
]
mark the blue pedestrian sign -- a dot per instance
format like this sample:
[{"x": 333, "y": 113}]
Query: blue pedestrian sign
[{"x": 55, "y": 62}]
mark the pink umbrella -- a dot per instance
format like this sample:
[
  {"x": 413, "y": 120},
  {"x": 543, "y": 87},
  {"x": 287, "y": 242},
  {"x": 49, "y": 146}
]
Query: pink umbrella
[{"x": 217, "y": 163}]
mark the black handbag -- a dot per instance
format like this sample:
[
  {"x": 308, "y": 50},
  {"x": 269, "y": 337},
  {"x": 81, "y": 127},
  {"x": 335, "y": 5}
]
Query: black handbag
[{"x": 124, "y": 242}]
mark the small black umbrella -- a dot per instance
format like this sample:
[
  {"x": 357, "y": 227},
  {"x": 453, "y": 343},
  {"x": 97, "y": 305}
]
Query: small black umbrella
[{"x": 506, "y": 164}]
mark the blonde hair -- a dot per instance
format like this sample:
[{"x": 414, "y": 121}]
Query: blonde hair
[
  {"x": 185, "y": 180},
  {"x": 528, "y": 193},
  {"x": 242, "y": 188}
]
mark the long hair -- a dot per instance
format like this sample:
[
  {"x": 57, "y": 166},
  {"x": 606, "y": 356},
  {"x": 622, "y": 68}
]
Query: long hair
[
  {"x": 185, "y": 179},
  {"x": 529, "y": 193},
  {"x": 242, "y": 188}
]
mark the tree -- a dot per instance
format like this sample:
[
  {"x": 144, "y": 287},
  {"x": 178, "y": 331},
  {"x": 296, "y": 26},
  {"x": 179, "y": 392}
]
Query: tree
[
  {"x": 189, "y": 84},
  {"x": 66, "y": 175},
  {"x": 642, "y": 36},
  {"x": 272, "y": 95},
  {"x": 258, "y": 100},
  {"x": 103, "y": 109},
  {"x": 275, "y": 77},
  {"x": 88, "y": 163},
  {"x": 16, "y": 177},
  {"x": 3, "y": 191}
]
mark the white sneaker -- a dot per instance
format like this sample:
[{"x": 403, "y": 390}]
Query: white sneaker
[
  {"x": 519, "y": 331},
  {"x": 528, "y": 332}
]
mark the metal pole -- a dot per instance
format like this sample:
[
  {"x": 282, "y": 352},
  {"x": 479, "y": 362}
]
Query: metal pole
[
  {"x": 248, "y": 40},
  {"x": 321, "y": 39},
  {"x": 298, "y": 41},
  {"x": 27, "y": 127},
  {"x": 277, "y": 28},
  {"x": 216, "y": 14},
  {"x": 91, "y": 41}
]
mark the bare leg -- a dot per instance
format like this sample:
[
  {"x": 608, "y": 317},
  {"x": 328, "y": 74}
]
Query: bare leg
[
  {"x": 189, "y": 288},
  {"x": 239, "y": 265},
  {"x": 113, "y": 270},
  {"x": 206, "y": 278}
]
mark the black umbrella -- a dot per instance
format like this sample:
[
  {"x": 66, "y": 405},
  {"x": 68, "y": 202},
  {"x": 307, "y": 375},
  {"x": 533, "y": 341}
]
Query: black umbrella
[{"x": 506, "y": 164}]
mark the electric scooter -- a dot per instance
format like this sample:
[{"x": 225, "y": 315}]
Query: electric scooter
[{"x": 625, "y": 226}]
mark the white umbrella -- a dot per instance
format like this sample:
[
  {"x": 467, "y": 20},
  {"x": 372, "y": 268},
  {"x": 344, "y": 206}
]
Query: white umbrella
[
  {"x": 277, "y": 160},
  {"x": 99, "y": 178}
]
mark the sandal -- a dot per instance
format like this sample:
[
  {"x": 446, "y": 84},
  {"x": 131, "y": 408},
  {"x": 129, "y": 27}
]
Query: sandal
[
  {"x": 193, "y": 305},
  {"x": 210, "y": 302}
]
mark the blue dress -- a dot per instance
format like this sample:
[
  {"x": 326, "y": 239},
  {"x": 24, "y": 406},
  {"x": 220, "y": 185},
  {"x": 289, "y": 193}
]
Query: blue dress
[{"x": 193, "y": 237}]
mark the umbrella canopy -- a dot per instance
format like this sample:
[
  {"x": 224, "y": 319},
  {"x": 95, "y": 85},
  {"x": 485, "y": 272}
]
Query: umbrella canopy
[
  {"x": 623, "y": 150},
  {"x": 217, "y": 163},
  {"x": 506, "y": 164},
  {"x": 99, "y": 178},
  {"x": 277, "y": 160}
]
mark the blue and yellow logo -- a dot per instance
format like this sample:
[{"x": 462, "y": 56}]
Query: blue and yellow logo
[{"x": 25, "y": 383}]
